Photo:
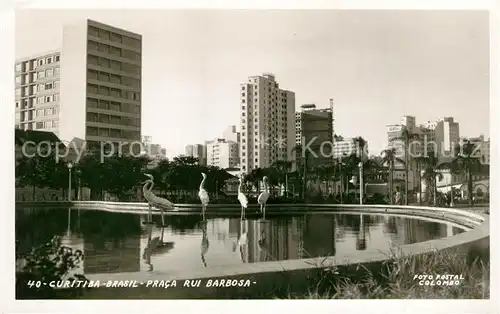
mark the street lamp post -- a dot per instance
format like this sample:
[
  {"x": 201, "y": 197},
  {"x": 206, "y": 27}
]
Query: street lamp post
[
  {"x": 360, "y": 166},
  {"x": 79, "y": 184},
  {"x": 451, "y": 190},
  {"x": 70, "y": 166}
]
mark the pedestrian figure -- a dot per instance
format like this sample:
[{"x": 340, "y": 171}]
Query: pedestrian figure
[{"x": 398, "y": 197}]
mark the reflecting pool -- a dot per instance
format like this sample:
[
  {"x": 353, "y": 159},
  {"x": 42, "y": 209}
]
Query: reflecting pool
[{"x": 114, "y": 242}]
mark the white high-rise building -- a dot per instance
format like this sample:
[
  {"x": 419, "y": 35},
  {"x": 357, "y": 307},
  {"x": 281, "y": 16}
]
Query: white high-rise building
[
  {"x": 37, "y": 92},
  {"x": 344, "y": 147},
  {"x": 267, "y": 123},
  {"x": 447, "y": 136},
  {"x": 222, "y": 153}
]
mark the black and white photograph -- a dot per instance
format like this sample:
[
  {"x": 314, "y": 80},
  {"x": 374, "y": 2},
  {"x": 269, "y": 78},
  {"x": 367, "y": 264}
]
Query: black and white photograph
[{"x": 250, "y": 154}]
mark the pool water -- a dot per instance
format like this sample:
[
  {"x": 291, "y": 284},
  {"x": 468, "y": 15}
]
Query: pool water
[{"x": 114, "y": 243}]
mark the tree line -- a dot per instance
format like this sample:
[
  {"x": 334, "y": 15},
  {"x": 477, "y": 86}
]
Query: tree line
[{"x": 180, "y": 177}]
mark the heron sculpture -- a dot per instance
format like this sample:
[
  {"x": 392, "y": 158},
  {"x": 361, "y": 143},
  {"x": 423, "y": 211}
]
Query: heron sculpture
[{"x": 155, "y": 201}]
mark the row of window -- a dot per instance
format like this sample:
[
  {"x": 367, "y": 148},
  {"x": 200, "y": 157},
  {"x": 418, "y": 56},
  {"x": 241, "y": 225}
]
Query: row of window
[
  {"x": 32, "y": 114},
  {"x": 46, "y": 112},
  {"x": 32, "y": 90},
  {"x": 32, "y": 77},
  {"x": 113, "y": 78},
  {"x": 113, "y": 105},
  {"x": 114, "y": 51},
  {"x": 110, "y": 132},
  {"x": 255, "y": 100},
  {"x": 38, "y": 125},
  {"x": 113, "y": 64},
  {"x": 31, "y": 65},
  {"x": 114, "y": 37},
  {"x": 30, "y": 102},
  {"x": 47, "y": 124},
  {"x": 114, "y": 92},
  {"x": 113, "y": 119}
]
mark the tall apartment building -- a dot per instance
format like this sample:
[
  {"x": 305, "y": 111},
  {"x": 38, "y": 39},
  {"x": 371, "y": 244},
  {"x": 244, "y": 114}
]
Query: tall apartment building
[
  {"x": 447, "y": 137},
  {"x": 197, "y": 151},
  {"x": 222, "y": 153},
  {"x": 314, "y": 129},
  {"x": 101, "y": 85},
  {"x": 482, "y": 148},
  {"x": 437, "y": 137},
  {"x": 343, "y": 147},
  {"x": 37, "y": 92},
  {"x": 267, "y": 123}
]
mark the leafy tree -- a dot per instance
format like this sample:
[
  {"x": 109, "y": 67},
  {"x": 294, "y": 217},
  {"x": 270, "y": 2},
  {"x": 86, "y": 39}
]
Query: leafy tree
[
  {"x": 41, "y": 172},
  {"x": 432, "y": 169},
  {"x": 389, "y": 157},
  {"x": 51, "y": 261},
  {"x": 406, "y": 137},
  {"x": 467, "y": 161},
  {"x": 282, "y": 168}
]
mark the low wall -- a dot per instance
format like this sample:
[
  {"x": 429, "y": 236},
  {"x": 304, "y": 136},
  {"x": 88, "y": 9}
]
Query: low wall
[
  {"x": 252, "y": 210},
  {"x": 266, "y": 278}
]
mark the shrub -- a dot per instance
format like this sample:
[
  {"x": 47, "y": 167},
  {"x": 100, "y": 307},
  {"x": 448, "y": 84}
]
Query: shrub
[{"x": 49, "y": 262}]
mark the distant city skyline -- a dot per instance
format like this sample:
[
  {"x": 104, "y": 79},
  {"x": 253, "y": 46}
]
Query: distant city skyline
[{"x": 377, "y": 65}]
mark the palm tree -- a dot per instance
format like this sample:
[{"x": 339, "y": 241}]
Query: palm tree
[
  {"x": 467, "y": 161},
  {"x": 389, "y": 157},
  {"x": 419, "y": 162},
  {"x": 406, "y": 137},
  {"x": 432, "y": 174},
  {"x": 361, "y": 144},
  {"x": 282, "y": 167}
]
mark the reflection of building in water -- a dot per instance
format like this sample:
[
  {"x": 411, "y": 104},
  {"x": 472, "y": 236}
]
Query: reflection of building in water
[
  {"x": 253, "y": 236},
  {"x": 220, "y": 229},
  {"x": 113, "y": 255},
  {"x": 416, "y": 230},
  {"x": 296, "y": 244},
  {"x": 281, "y": 240},
  {"x": 319, "y": 236}
]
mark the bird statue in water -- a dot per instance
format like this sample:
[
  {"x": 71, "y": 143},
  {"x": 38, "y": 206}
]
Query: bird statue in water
[
  {"x": 203, "y": 195},
  {"x": 243, "y": 199},
  {"x": 153, "y": 200},
  {"x": 262, "y": 200}
]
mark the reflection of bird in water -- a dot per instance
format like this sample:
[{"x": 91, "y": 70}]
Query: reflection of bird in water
[
  {"x": 265, "y": 256},
  {"x": 155, "y": 246},
  {"x": 243, "y": 199},
  {"x": 242, "y": 241},
  {"x": 262, "y": 200},
  {"x": 204, "y": 242},
  {"x": 203, "y": 195},
  {"x": 153, "y": 200}
]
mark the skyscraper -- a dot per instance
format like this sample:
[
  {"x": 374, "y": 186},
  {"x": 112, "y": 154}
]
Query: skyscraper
[
  {"x": 447, "y": 136},
  {"x": 267, "y": 123},
  {"x": 101, "y": 85},
  {"x": 314, "y": 129},
  {"x": 222, "y": 153},
  {"x": 37, "y": 92}
]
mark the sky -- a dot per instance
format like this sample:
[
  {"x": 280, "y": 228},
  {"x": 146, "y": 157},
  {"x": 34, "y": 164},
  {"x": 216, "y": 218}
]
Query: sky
[{"x": 377, "y": 65}]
